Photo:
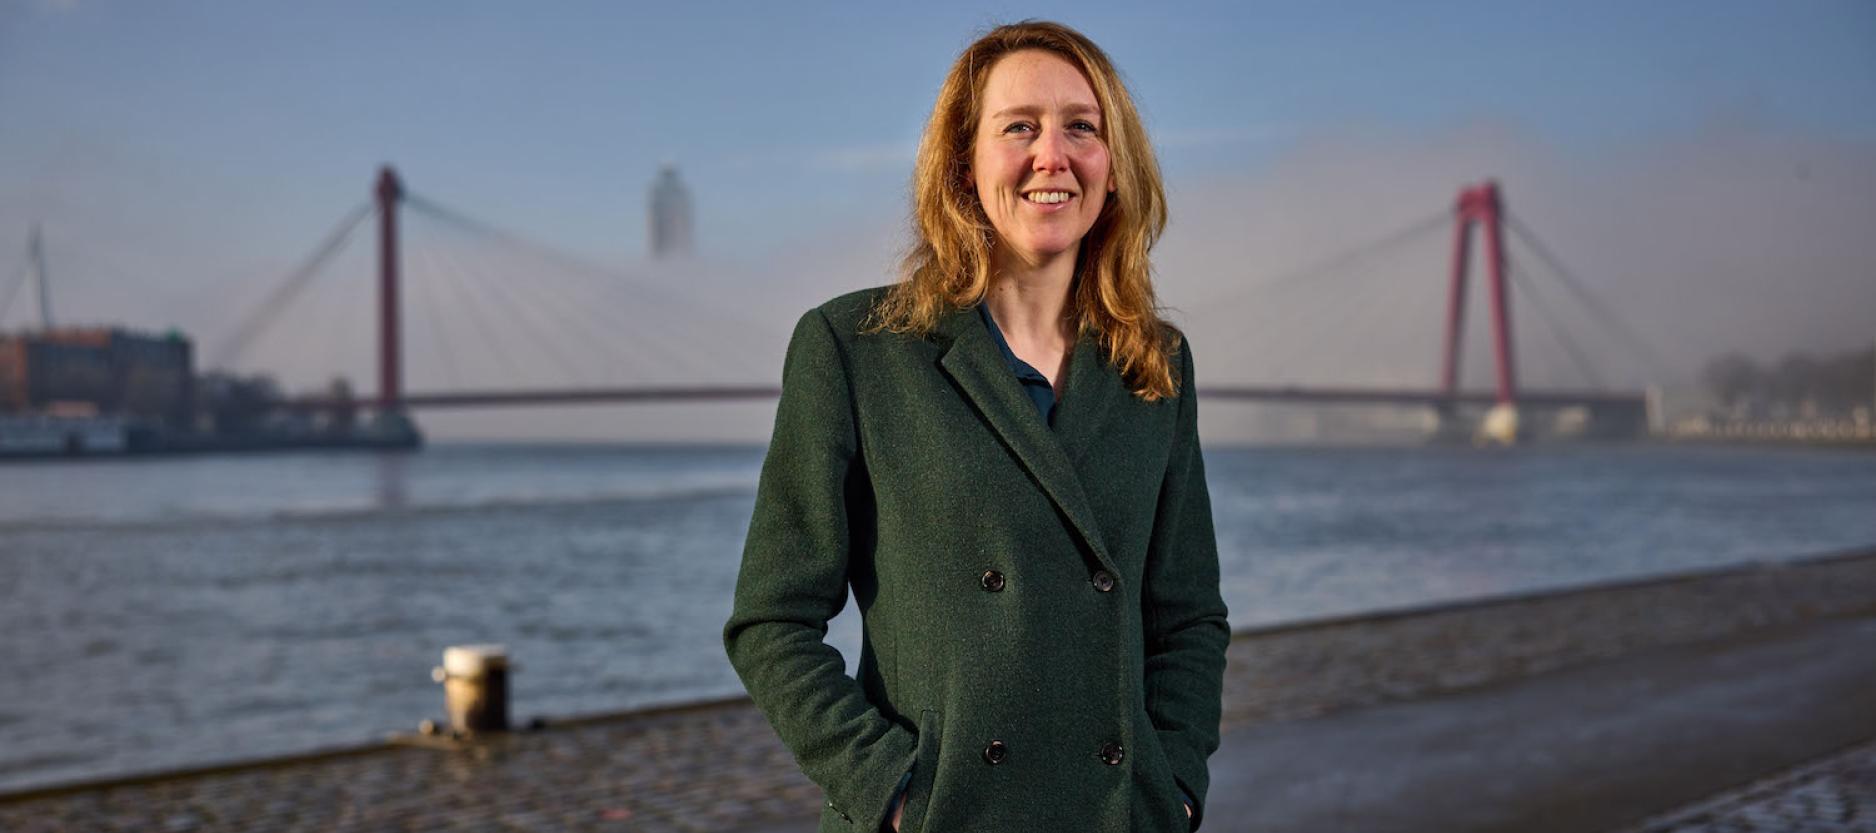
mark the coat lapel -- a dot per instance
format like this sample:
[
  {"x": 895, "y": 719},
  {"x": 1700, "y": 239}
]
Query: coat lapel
[
  {"x": 972, "y": 360},
  {"x": 1085, "y": 399}
]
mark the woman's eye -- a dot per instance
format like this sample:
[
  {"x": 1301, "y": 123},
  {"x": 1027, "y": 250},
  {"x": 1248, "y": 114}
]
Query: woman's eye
[
  {"x": 1085, "y": 126},
  {"x": 1018, "y": 127}
]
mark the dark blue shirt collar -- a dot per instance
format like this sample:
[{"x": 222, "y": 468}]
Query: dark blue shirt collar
[{"x": 1034, "y": 383}]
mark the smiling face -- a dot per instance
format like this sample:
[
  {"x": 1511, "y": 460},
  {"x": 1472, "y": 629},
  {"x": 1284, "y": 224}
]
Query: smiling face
[{"x": 1039, "y": 162}]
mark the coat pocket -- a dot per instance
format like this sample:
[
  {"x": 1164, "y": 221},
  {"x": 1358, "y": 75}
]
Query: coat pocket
[
  {"x": 918, "y": 794},
  {"x": 1166, "y": 799}
]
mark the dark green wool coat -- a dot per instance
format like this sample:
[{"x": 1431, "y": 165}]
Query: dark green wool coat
[{"x": 1044, "y": 640}]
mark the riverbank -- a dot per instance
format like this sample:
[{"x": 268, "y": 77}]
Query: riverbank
[
  {"x": 1821, "y": 433},
  {"x": 717, "y": 765},
  {"x": 36, "y": 437}
]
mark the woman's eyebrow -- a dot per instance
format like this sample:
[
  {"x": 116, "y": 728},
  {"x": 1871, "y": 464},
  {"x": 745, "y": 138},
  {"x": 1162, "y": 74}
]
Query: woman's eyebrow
[{"x": 1076, "y": 109}]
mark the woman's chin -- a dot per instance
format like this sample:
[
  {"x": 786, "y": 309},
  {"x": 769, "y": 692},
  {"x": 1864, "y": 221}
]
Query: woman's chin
[{"x": 1040, "y": 252}]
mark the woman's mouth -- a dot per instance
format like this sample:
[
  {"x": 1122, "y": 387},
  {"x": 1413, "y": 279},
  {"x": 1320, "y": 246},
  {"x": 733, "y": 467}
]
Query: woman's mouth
[{"x": 1049, "y": 201}]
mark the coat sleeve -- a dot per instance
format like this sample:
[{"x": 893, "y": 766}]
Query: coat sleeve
[
  {"x": 1185, "y": 616},
  {"x": 793, "y": 580}
]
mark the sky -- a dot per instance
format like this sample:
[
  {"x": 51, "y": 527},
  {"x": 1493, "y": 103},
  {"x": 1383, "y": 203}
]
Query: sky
[{"x": 1706, "y": 169}]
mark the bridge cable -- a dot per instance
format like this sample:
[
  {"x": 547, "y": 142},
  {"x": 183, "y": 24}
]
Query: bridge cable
[
  {"x": 526, "y": 317},
  {"x": 1606, "y": 317},
  {"x": 1551, "y": 324},
  {"x": 1430, "y": 306},
  {"x": 1289, "y": 327},
  {"x": 538, "y": 314},
  {"x": 427, "y": 302},
  {"x": 1292, "y": 332},
  {"x": 286, "y": 291},
  {"x": 1306, "y": 325},
  {"x": 597, "y": 326},
  {"x": 576, "y": 263},
  {"x": 1353, "y": 327},
  {"x": 13, "y": 288},
  {"x": 1421, "y": 308},
  {"x": 328, "y": 312},
  {"x": 641, "y": 346},
  {"x": 1424, "y": 310},
  {"x": 1328, "y": 339},
  {"x": 594, "y": 329},
  {"x": 1332, "y": 312},
  {"x": 494, "y": 338},
  {"x": 643, "y": 290},
  {"x": 1342, "y": 260}
]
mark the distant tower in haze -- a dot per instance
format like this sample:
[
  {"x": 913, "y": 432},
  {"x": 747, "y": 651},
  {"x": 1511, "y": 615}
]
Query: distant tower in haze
[{"x": 670, "y": 215}]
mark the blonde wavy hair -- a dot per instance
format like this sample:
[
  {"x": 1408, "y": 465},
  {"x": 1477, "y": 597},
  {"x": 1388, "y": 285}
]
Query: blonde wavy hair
[{"x": 949, "y": 264}]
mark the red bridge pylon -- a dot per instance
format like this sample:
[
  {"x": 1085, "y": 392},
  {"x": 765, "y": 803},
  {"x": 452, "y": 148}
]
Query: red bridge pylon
[{"x": 1482, "y": 205}]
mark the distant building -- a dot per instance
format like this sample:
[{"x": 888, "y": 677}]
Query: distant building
[
  {"x": 670, "y": 215},
  {"x": 100, "y": 370}
]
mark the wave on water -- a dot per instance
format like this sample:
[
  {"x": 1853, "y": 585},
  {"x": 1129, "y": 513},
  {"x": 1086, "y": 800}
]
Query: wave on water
[{"x": 349, "y": 511}]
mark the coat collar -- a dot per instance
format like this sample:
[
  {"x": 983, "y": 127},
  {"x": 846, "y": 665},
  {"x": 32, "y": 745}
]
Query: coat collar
[{"x": 972, "y": 360}]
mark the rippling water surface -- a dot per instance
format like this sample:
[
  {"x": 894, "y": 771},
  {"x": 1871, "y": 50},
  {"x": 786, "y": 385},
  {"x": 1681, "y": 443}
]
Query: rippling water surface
[{"x": 167, "y": 612}]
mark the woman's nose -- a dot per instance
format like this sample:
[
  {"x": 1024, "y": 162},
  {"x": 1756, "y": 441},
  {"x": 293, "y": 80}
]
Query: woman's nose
[{"x": 1051, "y": 150}]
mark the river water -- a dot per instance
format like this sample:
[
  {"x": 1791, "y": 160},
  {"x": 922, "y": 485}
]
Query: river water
[{"x": 168, "y": 612}]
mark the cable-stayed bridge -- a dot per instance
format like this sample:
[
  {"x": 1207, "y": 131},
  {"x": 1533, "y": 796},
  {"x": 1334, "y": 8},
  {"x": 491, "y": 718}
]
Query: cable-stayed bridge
[{"x": 566, "y": 326}]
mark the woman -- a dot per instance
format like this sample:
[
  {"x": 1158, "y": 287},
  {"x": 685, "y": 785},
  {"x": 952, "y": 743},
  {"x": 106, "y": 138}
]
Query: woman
[{"x": 999, "y": 454}]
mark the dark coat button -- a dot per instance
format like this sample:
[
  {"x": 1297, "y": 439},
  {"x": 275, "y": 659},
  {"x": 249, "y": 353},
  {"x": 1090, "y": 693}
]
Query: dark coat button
[
  {"x": 992, "y": 580},
  {"x": 996, "y": 752},
  {"x": 1112, "y": 754},
  {"x": 1103, "y": 580}
]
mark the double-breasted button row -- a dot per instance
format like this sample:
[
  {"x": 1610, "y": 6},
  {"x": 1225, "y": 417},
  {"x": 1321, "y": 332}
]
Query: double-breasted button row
[
  {"x": 996, "y": 752},
  {"x": 994, "y": 582},
  {"x": 1112, "y": 753}
]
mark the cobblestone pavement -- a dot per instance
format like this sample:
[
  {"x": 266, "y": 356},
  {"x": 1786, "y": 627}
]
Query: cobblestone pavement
[
  {"x": 709, "y": 768},
  {"x": 720, "y": 767},
  {"x": 1297, "y": 672},
  {"x": 1835, "y": 795}
]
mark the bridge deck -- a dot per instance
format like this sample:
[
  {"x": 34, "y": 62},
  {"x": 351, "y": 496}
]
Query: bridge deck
[{"x": 1267, "y": 393}]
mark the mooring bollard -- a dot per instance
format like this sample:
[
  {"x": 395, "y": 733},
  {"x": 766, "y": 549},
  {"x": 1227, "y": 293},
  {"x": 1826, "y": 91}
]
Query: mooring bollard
[{"x": 475, "y": 687}]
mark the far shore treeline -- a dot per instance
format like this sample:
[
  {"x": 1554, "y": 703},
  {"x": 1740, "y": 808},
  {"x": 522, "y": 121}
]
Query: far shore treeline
[{"x": 1800, "y": 384}]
